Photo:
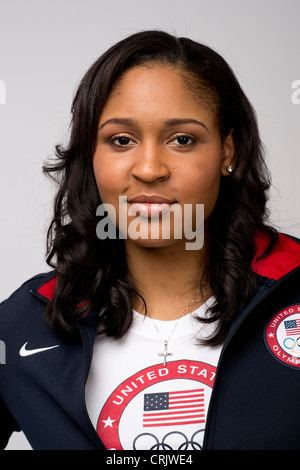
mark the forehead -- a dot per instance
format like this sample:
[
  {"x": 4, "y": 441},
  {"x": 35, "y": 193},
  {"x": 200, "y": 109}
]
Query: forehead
[{"x": 158, "y": 88}]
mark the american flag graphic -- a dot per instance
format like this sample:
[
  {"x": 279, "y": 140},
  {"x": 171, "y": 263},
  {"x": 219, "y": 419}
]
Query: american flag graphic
[
  {"x": 292, "y": 327},
  {"x": 174, "y": 408}
]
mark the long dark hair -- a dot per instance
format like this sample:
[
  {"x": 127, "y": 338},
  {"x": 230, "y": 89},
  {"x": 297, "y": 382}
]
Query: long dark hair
[{"x": 92, "y": 273}]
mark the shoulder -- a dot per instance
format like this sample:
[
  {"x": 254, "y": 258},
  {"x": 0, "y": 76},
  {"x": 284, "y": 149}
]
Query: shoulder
[
  {"x": 24, "y": 301},
  {"x": 32, "y": 284}
]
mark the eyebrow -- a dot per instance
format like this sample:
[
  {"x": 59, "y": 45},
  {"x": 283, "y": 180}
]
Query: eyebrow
[
  {"x": 168, "y": 122},
  {"x": 122, "y": 121},
  {"x": 178, "y": 121}
]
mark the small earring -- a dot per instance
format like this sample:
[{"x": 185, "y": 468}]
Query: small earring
[{"x": 229, "y": 168}]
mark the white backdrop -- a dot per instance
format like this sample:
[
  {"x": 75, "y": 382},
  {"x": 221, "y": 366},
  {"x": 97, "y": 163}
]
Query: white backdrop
[{"x": 47, "y": 45}]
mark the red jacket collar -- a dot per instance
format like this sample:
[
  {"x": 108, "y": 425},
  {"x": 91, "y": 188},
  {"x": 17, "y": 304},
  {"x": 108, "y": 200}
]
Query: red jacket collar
[
  {"x": 285, "y": 257},
  {"x": 47, "y": 289}
]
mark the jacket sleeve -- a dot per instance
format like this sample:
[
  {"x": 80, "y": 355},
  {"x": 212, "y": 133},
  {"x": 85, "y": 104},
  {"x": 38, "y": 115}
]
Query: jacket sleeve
[{"x": 7, "y": 425}]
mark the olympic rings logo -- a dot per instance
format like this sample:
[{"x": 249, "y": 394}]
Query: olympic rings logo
[
  {"x": 282, "y": 336},
  {"x": 186, "y": 444},
  {"x": 292, "y": 343}
]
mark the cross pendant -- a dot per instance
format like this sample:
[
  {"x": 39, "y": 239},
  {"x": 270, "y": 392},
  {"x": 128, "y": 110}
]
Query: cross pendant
[{"x": 165, "y": 353}]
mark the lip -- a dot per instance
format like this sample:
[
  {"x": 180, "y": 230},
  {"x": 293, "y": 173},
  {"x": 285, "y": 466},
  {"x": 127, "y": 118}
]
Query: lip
[
  {"x": 147, "y": 206},
  {"x": 150, "y": 199}
]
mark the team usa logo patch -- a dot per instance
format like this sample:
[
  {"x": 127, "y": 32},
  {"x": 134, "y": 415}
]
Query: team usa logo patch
[
  {"x": 159, "y": 408},
  {"x": 282, "y": 336}
]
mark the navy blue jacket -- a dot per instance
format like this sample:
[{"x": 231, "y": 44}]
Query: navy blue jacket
[{"x": 254, "y": 403}]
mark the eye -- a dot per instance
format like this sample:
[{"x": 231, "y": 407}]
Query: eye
[
  {"x": 121, "y": 141},
  {"x": 183, "y": 140}
]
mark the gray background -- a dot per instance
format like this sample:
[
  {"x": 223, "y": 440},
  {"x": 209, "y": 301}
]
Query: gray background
[{"x": 47, "y": 45}]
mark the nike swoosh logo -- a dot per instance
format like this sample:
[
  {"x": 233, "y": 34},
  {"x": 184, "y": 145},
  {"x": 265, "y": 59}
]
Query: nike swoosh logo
[{"x": 28, "y": 352}]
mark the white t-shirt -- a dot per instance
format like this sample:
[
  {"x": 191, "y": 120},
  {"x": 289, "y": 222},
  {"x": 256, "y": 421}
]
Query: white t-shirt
[{"x": 137, "y": 403}]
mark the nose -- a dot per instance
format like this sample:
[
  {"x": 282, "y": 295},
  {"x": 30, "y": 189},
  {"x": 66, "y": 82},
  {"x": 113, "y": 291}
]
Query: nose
[{"x": 150, "y": 164}]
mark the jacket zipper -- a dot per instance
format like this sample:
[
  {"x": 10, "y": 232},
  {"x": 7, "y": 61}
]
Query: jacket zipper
[
  {"x": 93, "y": 430},
  {"x": 271, "y": 289}
]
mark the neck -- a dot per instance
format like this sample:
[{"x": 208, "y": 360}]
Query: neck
[{"x": 167, "y": 279}]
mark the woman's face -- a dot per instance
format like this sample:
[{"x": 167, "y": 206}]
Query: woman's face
[{"x": 160, "y": 148}]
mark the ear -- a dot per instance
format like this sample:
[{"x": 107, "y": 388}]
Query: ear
[{"x": 229, "y": 158}]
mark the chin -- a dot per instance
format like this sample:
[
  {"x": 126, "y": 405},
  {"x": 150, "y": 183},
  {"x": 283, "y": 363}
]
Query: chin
[{"x": 156, "y": 243}]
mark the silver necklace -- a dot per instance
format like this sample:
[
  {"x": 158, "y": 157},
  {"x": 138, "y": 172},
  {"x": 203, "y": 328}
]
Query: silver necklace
[{"x": 165, "y": 352}]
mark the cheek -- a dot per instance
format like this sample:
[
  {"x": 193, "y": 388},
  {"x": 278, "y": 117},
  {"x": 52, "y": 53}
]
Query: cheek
[
  {"x": 211, "y": 196},
  {"x": 98, "y": 172},
  {"x": 204, "y": 181},
  {"x": 105, "y": 176},
  {"x": 99, "y": 177},
  {"x": 205, "y": 186}
]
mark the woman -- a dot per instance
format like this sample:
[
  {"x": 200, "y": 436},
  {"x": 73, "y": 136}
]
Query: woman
[{"x": 123, "y": 343}]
